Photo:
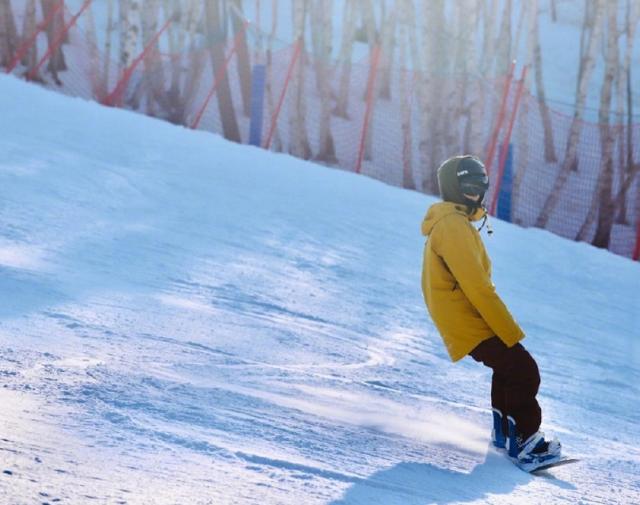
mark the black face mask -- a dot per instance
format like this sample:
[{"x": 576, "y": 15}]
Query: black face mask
[
  {"x": 472, "y": 180},
  {"x": 472, "y": 184}
]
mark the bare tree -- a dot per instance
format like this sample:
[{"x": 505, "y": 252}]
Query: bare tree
[
  {"x": 602, "y": 203},
  {"x": 57, "y": 61},
  {"x": 380, "y": 46},
  {"x": 97, "y": 84},
  {"x": 504, "y": 46},
  {"x": 388, "y": 26},
  {"x": 277, "y": 139},
  {"x": 406, "y": 20},
  {"x": 629, "y": 169},
  {"x": 431, "y": 145},
  {"x": 215, "y": 25},
  {"x": 299, "y": 141},
  {"x": 571, "y": 151},
  {"x": 549, "y": 147},
  {"x": 244, "y": 63},
  {"x": 8, "y": 33},
  {"x": 154, "y": 77},
  {"x": 30, "y": 58},
  {"x": 106, "y": 69},
  {"x": 129, "y": 30},
  {"x": 186, "y": 78},
  {"x": 346, "y": 47},
  {"x": 323, "y": 29}
]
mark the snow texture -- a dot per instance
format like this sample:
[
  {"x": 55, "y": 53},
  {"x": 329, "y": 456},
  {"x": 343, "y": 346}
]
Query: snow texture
[{"x": 188, "y": 321}]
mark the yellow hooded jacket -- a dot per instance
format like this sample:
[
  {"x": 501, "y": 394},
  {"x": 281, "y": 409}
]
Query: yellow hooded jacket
[{"x": 456, "y": 282}]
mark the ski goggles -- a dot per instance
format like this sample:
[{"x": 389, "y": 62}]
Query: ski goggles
[{"x": 473, "y": 184}]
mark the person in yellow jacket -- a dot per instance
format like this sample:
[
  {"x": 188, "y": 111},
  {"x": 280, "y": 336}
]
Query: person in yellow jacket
[{"x": 471, "y": 317}]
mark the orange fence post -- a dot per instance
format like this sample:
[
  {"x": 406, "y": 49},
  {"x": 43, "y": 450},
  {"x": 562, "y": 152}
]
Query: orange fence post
[
  {"x": 370, "y": 89},
  {"x": 58, "y": 40},
  {"x": 28, "y": 43},
  {"x": 274, "y": 119},
  {"x": 115, "y": 97},
  {"x": 498, "y": 126},
  {"x": 218, "y": 77},
  {"x": 505, "y": 143}
]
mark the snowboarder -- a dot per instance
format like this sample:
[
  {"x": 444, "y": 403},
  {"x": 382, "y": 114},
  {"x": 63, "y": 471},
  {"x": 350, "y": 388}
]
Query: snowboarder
[{"x": 471, "y": 317}]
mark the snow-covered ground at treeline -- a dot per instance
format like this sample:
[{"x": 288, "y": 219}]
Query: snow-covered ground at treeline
[{"x": 188, "y": 321}]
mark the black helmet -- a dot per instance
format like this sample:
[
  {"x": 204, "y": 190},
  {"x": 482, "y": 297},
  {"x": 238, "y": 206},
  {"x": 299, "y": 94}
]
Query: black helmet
[{"x": 462, "y": 175}]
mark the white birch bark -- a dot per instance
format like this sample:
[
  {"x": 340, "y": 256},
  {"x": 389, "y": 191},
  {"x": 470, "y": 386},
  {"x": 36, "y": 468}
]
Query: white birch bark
[
  {"x": 106, "y": 70},
  {"x": 277, "y": 138},
  {"x": 130, "y": 29},
  {"x": 299, "y": 141},
  {"x": 405, "y": 21},
  {"x": 326, "y": 148},
  {"x": 346, "y": 49},
  {"x": 29, "y": 28},
  {"x": 8, "y": 33},
  {"x": 97, "y": 88}
]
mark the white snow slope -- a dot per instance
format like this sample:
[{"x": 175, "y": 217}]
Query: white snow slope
[{"x": 189, "y": 321}]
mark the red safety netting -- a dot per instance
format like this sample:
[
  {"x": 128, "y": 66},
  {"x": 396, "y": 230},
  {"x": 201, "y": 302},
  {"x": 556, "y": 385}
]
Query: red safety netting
[{"x": 404, "y": 140}]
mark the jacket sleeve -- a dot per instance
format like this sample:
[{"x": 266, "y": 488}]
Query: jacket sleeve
[{"x": 458, "y": 247}]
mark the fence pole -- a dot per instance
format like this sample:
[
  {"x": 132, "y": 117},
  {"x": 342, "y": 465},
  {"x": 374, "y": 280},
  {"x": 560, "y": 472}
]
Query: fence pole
[
  {"x": 274, "y": 119},
  {"x": 367, "y": 114},
  {"x": 507, "y": 139},
  {"x": 493, "y": 141},
  {"x": 57, "y": 41},
  {"x": 257, "y": 104},
  {"x": 28, "y": 43},
  {"x": 115, "y": 97},
  {"x": 222, "y": 71},
  {"x": 503, "y": 210},
  {"x": 636, "y": 252}
]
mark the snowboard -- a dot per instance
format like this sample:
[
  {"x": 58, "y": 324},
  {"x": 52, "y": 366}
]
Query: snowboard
[{"x": 561, "y": 462}]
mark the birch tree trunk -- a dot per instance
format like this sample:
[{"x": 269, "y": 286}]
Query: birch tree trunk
[
  {"x": 154, "y": 77},
  {"x": 464, "y": 97},
  {"x": 277, "y": 138},
  {"x": 182, "y": 100},
  {"x": 129, "y": 30},
  {"x": 326, "y": 150},
  {"x": 346, "y": 46},
  {"x": 571, "y": 152},
  {"x": 602, "y": 203},
  {"x": 489, "y": 37},
  {"x": 29, "y": 28},
  {"x": 388, "y": 27},
  {"x": 503, "y": 49},
  {"x": 56, "y": 61},
  {"x": 8, "y": 33},
  {"x": 215, "y": 25},
  {"x": 97, "y": 89},
  {"x": 625, "y": 91},
  {"x": 407, "y": 16},
  {"x": 299, "y": 141},
  {"x": 106, "y": 70},
  {"x": 432, "y": 130},
  {"x": 373, "y": 80},
  {"x": 549, "y": 147},
  {"x": 244, "y": 65}
]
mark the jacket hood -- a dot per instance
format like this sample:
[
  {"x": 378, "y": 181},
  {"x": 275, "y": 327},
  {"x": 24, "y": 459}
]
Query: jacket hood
[{"x": 442, "y": 209}]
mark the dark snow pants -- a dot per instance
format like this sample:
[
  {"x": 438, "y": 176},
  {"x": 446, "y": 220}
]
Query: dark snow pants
[{"x": 514, "y": 385}]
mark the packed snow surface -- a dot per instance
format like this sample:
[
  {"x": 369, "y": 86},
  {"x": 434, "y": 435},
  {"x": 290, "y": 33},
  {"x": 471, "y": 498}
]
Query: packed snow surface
[{"x": 188, "y": 321}]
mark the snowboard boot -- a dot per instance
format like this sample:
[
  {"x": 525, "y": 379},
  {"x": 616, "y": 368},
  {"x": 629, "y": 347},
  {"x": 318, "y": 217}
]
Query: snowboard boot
[
  {"x": 533, "y": 452},
  {"x": 498, "y": 437}
]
